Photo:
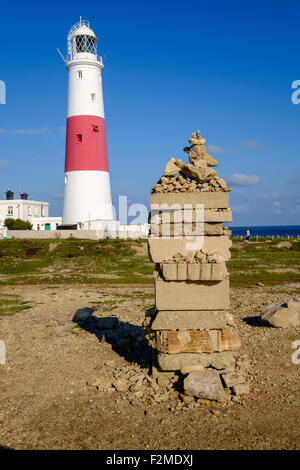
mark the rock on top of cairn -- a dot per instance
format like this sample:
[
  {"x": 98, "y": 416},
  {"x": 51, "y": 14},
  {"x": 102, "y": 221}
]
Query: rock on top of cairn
[
  {"x": 195, "y": 176},
  {"x": 197, "y": 151}
]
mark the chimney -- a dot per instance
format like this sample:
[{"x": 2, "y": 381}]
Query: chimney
[
  {"x": 24, "y": 196},
  {"x": 9, "y": 195}
]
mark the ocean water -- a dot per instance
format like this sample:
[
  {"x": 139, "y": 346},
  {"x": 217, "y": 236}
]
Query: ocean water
[{"x": 283, "y": 231}]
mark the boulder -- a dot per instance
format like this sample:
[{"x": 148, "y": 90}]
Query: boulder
[
  {"x": 204, "y": 384},
  {"x": 282, "y": 316}
]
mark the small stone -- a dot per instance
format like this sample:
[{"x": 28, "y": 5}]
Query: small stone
[
  {"x": 164, "y": 180},
  {"x": 205, "y": 384},
  {"x": 230, "y": 319},
  {"x": 157, "y": 398},
  {"x": 163, "y": 381},
  {"x": 137, "y": 386},
  {"x": 120, "y": 385},
  {"x": 105, "y": 385},
  {"x": 96, "y": 382},
  {"x": 233, "y": 379},
  {"x": 171, "y": 168},
  {"x": 241, "y": 389},
  {"x": 203, "y": 401},
  {"x": 110, "y": 363},
  {"x": 187, "y": 399},
  {"x": 216, "y": 412},
  {"x": 200, "y": 256}
]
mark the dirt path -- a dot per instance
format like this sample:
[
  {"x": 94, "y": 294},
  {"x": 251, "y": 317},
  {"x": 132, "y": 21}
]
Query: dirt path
[{"x": 46, "y": 403}]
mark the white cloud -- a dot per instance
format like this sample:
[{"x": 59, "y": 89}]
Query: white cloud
[
  {"x": 240, "y": 208},
  {"x": 35, "y": 131},
  {"x": 243, "y": 180},
  {"x": 218, "y": 150},
  {"x": 276, "y": 204},
  {"x": 250, "y": 144},
  {"x": 215, "y": 149},
  {"x": 254, "y": 197},
  {"x": 5, "y": 164},
  {"x": 58, "y": 196}
]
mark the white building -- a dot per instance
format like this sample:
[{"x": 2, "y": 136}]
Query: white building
[
  {"x": 35, "y": 212},
  {"x": 46, "y": 223}
]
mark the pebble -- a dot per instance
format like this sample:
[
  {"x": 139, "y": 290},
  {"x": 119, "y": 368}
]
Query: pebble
[
  {"x": 110, "y": 363},
  {"x": 96, "y": 382}
]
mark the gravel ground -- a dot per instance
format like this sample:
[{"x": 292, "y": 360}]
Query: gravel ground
[{"x": 47, "y": 404}]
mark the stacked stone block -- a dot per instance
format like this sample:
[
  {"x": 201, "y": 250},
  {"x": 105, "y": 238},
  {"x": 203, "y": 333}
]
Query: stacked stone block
[{"x": 190, "y": 326}]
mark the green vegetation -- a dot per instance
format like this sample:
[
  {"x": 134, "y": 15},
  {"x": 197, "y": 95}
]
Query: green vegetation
[
  {"x": 75, "y": 261},
  {"x": 11, "y": 304},
  {"x": 263, "y": 262},
  {"x": 17, "y": 224}
]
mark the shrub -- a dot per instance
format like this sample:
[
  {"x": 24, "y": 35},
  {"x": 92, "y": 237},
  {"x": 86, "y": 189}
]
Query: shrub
[{"x": 17, "y": 224}]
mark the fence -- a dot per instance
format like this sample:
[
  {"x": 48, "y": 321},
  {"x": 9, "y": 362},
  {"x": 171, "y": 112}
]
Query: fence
[{"x": 272, "y": 237}]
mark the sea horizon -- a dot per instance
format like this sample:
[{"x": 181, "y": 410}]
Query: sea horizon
[{"x": 283, "y": 231}]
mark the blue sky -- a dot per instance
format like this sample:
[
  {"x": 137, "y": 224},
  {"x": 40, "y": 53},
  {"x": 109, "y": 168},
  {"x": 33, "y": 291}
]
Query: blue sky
[{"x": 224, "y": 67}]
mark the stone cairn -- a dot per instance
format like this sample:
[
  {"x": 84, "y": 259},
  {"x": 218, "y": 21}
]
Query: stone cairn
[{"x": 190, "y": 328}]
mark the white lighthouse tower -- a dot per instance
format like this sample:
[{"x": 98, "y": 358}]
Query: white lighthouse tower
[{"x": 87, "y": 195}]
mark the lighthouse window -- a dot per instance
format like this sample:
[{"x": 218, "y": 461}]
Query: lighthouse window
[
  {"x": 93, "y": 97},
  {"x": 79, "y": 74},
  {"x": 79, "y": 138},
  {"x": 10, "y": 210},
  {"x": 86, "y": 44}
]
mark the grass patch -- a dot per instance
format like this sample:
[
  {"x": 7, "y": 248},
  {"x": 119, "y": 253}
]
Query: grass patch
[
  {"x": 74, "y": 261},
  {"x": 11, "y": 304}
]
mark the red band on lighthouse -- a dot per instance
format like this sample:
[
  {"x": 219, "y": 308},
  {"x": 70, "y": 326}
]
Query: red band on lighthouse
[{"x": 86, "y": 144}]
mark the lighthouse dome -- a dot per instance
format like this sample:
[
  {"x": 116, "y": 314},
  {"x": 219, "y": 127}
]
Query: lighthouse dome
[{"x": 84, "y": 31}]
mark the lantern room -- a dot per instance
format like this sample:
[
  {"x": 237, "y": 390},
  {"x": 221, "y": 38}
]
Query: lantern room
[{"x": 82, "y": 42}]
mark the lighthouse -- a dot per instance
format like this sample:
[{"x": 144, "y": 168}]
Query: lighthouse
[{"x": 87, "y": 194}]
